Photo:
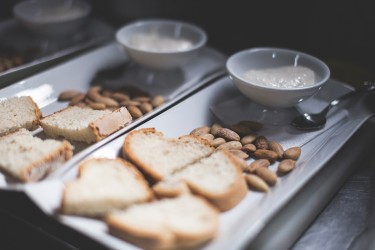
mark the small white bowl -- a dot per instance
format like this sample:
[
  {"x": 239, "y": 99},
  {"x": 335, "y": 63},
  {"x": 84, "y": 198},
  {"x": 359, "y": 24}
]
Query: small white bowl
[
  {"x": 161, "y": 44},
  {"x": 52, "y": 17},
  {"x": 265, "y": 58}
]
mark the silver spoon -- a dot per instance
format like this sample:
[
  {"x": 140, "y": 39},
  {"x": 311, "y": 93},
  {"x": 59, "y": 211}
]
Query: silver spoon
[{"x": 317, "y": 121}]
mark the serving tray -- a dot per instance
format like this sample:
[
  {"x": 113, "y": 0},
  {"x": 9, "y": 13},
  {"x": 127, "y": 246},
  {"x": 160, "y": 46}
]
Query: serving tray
[
  {"x": 38, "y": 51},
  {"x": 109, "y": 66},
  {"x": 241, "y": 224}
]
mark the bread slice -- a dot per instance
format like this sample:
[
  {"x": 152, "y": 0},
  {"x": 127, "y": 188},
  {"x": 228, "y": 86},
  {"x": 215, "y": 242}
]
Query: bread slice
[
  {"x": 218, "y": 178},
  {"x": 30, "y": 158},
  {"x": 85, "y": 124},
  {"x": 104, "y": 185},
  {"x": 177, "y": 223},
  {"x": 159, "y": 156},
  {"x": 18, "y": 112}
]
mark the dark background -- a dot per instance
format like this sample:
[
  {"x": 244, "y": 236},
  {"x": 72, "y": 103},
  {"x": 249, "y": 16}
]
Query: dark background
[{"x": 342, "y": 33}]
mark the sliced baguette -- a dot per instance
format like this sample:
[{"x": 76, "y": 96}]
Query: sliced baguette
[
  {"x": 159, "y": 156},
  {"x": 104, "y": 185},
  {"x": 218, "y": 178},
  {"x": 18, "y": 112},
  {"x": 177, "y": 223},
  {"x": 29, "y": 158},
  {"x": 85, "y": 124}
]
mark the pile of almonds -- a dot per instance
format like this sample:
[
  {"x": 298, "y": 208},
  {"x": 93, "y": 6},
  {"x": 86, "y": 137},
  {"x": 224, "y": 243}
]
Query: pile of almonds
[
  {"x": 137, "y": 102},
  {"x": 8, "y": 62},
  {"x": 243, "y": 141}
]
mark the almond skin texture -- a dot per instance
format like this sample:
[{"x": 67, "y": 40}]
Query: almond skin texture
[
  {"x": 257, "y": 183},
  {"x": 239, "y": 153},
  {"x": 68, "y": 95},
  {"x": 249, "y": 148},
  {"x": 261, "y": 163},
  {"x": 227, "y": 134},
  {"x": 249, "y": 138},
  {"x": 267, "y": 175},
  {"x": 292, "y": 153},
  {"x": 266, "y": 154},
  {"x": 286, "y": 166},
  {"x": 276, "y": 147},
  {"x": 217, "y": 142},
  {"x": 200, "y": 131},
  {"x": 214, "y": 128},
  {"x": 208, "y": 137},
  {"x": 261, "y": 142},
  {"x": 230, "y": 145}
]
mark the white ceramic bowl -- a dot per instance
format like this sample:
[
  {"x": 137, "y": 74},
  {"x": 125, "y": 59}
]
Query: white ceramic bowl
[
  {"x": 52, "y": 17},
  {"x": 265, "y": 58},
  {"x": 161, "y": 44}
]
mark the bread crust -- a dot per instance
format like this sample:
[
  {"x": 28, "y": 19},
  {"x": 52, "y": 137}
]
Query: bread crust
[
  {"x": 110, "y": 123},
  {"x": 164, "y": 239},
  {"x": 63, "y": 153},
  {"x": 98, "y": 129},
  {"x": 64, "y": 206},
  {"x": 128, "y": 152},
  {"x": 232, "y": 196},
  {"x": 38, "y": 114}
]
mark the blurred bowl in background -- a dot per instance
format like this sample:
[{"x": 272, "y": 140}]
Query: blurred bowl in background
[
  {"x": 275, "y": 77},
  {"x": 52, "y": 17},
  {"x": 161, "y": 44}
]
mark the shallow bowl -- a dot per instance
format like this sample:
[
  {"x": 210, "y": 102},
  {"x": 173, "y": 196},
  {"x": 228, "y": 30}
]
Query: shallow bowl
[
  {"x": 52, "y": 17},
  {"x": 260, "y": 59},
  {"x": 161, "y": 44}
]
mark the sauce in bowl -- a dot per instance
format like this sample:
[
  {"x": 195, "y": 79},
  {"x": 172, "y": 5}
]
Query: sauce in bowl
[
  {"x": 155, "y": 43},
  {"x": 282, "y": 77}
]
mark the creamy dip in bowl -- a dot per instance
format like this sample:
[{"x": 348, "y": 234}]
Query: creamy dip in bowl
[
  {"x": 160, "y": 43},
  {"x": 276, "y": 77}
]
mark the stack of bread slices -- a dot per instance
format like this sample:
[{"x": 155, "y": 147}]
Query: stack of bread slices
[
  {"x": 167, "y": 194},
  {"x": 28, "y": 158}
]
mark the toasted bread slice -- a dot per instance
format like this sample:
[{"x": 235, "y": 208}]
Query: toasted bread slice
[
  {"x": 104, "y": 185},
  {"x": 217, "y": 177},
  {"x": 177, "y": 223},
  {"x": 159, "y": 156},
  {"x": 85, "y": 124},
  {"x": 30, "y": 158},
  {"x": 18, "y": 112}
]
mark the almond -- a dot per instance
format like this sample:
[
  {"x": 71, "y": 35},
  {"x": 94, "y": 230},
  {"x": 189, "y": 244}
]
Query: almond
[
  {"x": 157, "y": 101},
  {"x": 261, "y": 142},
  {"x": 261, "y": 163},
  {"x": 266, "y": 154},
  {"x": 249, "y": 148},
  {"x": 145, "y": 107},
  {"x": 120, "y": 97},
  {"x": 249, "y": 138},
  {"x": 96, "y": 105},
  {"x": 200, "y": 131},
  {"x": 257, "y": 183},
  {"x": 267, "y": 175},
  {"x": 286, "y": 166},
  {"x": 239, "y": 153},
  {"x": 68, "y": 95},
  {"x": 134, "y": 111},
  {"x": 276, "y": 147},
  {"x": 208, "y": 137},
  {"x": 214, "y": 128},
  {"x": 227, "y": 134},
  {"x": 292, "y": 153},
  {"x": 230, "y": 145},
  {"x": 217, "y": 142}
]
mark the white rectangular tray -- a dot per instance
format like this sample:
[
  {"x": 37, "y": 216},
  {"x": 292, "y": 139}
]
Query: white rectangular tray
[
  {"x": 81, "y": 72},
  {"x": 241, "y": 224},
  {"x": 38, "y": 52}
]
